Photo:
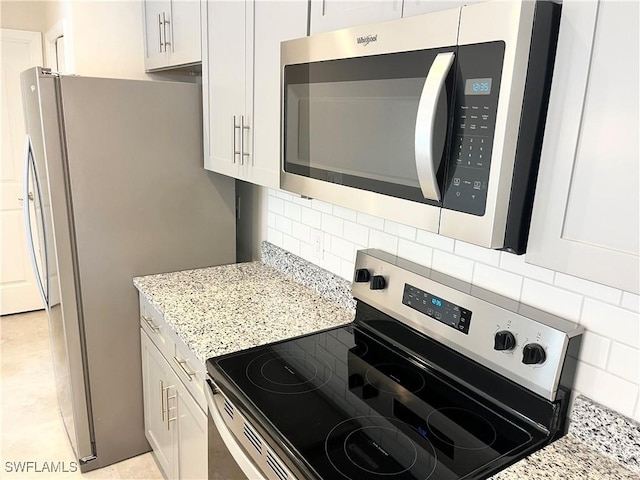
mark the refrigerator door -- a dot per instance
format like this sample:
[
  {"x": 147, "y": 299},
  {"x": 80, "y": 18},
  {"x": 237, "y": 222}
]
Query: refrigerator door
[
  {"x": 45, "y": 155},
  {"x": 140, "y": 203}
]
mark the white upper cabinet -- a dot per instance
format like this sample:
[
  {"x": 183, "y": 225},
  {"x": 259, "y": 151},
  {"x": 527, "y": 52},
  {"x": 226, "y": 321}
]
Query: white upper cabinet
[
  {"x": 327, "y": 15},
  {"x": 172, "y": 34},
  {"x": 241, "y": 85},
  {"x": 586, "y": 211},
  {"x": 418, "y": 7}
]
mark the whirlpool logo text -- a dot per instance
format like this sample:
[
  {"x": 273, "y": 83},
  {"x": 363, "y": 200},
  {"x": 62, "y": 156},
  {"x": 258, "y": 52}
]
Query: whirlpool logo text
[{"x": 367, "y": 39}]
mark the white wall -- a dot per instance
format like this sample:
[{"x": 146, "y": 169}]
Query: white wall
[
  {"x": 106, "y": 37},
  {"x": 609, "y": 366}
]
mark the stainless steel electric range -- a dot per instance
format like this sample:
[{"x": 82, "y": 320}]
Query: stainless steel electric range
[{"x": 434, "y": 379}]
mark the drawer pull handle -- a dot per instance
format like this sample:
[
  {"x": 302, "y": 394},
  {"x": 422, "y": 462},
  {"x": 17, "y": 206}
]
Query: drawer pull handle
[
  {"x": 181, "y": 364},
  {"x": 152, "y": 326}
]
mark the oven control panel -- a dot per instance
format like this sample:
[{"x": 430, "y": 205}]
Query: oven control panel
[
  {"x": 438, "y": 308},
  {"x": 521, "y": 343}
]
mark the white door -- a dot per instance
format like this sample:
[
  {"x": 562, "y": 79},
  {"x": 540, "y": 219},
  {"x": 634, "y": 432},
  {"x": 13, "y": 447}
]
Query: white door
[{"x": 20, "y": 50}]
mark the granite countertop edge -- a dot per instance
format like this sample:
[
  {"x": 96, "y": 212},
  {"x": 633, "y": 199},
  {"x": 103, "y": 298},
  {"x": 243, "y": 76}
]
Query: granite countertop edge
[{"x": 600, "y": 444}]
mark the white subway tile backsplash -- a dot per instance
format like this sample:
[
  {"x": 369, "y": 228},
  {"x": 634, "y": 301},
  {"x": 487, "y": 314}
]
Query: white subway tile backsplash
[
  {"x": 332, "y": 225},
  {"x": 321, "y": 206},
  {"x": 301, "y": 232},
  {"x": 310, "y": 217},
  {"x": 291, "y": 244},
  {"x": 630, "y": 301},
  {"x": 347, "y": 270},
  {"x": 399, "y": 230},
  {"x": 344, "y": 213},
  {"x": 435, "y": 241},
  {"x": 516, "y": 264},
  {"x": 616, "y": 323},
  {"x": 276, "y": 205},
  {"x": 274, "y": 236},
  {"x": 333, "y": 263},
  {"x": 284, "y": 195},
  {"x": 343, "y": 248},
  {"x": 283, "y": 224},
  {"x": 606, "y": 388},
  {"x": 271, "y": 219},
  {"x": 370, "y": 220},
  {"x": 484, "y": 255},
  {"x": 293, "y": 211},
  {"x": 624, "y": 361},
  {"x": 303, "y": 202},
  {"x": 594, "y": 349},
  {"x": 415, "y": 252},
  {"x": 383, "y": 241},
  {"x": 551, "y": 299},
  {"x": 306, "y": 252},
  {"x": 356, "y": 233},
  {"x": 587, "y": 288},
  {"x": 496, "y": 280},
  {"x": 453, "y": 265},
  {"x": 636, "y": 415}
]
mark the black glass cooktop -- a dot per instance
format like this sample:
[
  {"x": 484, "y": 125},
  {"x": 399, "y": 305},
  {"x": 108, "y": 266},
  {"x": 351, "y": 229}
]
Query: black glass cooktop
[{"x": 352, "y": 407}]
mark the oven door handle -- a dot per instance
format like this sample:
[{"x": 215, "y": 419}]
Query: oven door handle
[
  {"x": 215, "y": 401},
  {"x": 431, "y": 125}
]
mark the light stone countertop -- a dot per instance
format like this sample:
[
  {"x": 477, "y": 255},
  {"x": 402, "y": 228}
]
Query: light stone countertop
[{"x": 223, "y": 309}]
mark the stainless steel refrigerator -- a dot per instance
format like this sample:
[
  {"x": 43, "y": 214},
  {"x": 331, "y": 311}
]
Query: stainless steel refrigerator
[{"x": 115, "y": 171}]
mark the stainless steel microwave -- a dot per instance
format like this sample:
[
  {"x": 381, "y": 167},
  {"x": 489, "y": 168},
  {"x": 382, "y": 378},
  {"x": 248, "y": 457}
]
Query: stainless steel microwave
[{"x": 434, "y": 121}]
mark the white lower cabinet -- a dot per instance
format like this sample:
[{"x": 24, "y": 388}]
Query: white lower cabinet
[{"x": 175, "y": 424}]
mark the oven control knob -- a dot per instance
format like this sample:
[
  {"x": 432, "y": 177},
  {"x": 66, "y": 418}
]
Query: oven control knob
[
  {"x": 504, "y": 340},
  {"x": 533, "y": 354},
  {"x": 377, "y": 283},
  {"x": 362, "y": 275}
]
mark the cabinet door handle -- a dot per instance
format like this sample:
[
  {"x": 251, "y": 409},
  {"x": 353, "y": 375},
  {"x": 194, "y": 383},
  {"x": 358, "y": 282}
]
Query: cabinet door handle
[
  {"x": 166, "y": 22},
  {"x": 236, "y": 152},
  {"x": 243, "y": 127},
  {"x": 162, "y": 411},
  {"x": 167, "y": 398},
  {"x": 181, "y": 364},
  {"x": 155, "y": 328},
  {"x": 160, "y": 44}
]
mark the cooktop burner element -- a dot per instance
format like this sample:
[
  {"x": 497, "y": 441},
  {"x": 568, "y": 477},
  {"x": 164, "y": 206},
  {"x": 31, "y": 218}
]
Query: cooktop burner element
[
  {"x": 408, "y": 390},
  {"x": 287, "y": 374},
  {"x": 379, "y": 446}
]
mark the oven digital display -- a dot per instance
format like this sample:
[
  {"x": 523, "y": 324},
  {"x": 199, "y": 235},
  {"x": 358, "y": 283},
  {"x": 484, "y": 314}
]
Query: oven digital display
[{"x": 437, "y": 308}]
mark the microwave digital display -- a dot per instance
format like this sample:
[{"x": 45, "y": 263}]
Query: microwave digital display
[{"x": 477, "y": 86}]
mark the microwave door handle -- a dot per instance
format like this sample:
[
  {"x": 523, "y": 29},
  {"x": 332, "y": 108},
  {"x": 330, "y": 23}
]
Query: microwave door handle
[{"x": 431, "y": 127}]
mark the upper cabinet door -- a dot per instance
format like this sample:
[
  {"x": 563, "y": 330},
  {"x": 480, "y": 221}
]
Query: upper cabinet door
[
  {"x": 274, "y": 22},
  {"x": 327, "y": 15},
  {"x": 223, "y": 83},
  {"x": 418, "y": 7},
  {"x": 183, "y": 33},
  {"x": 155, "y": 55},
  {"x": 585, "y": 218},
  {"x": 171, "y": 34}
]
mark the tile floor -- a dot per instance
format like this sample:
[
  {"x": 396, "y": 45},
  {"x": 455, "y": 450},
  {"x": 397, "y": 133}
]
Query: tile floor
[{"x": 30, "y": 425}]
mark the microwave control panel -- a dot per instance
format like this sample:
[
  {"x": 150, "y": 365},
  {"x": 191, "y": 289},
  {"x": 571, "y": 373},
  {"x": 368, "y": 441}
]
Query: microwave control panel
[{"x": 475, "y": 105}]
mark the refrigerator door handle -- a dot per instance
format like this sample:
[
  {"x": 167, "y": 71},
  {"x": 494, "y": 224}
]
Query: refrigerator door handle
[{"x": 28, "y": 161}]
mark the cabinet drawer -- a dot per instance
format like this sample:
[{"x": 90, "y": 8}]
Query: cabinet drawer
[
  {"x": 152, "y": 322},
  {"x": 190, "y": 371}
]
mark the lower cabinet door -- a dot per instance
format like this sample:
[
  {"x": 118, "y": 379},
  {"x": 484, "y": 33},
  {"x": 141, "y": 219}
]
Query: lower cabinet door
[
  {"x": 156, "y": 389},
  {"x": 191, "y": 436}
]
